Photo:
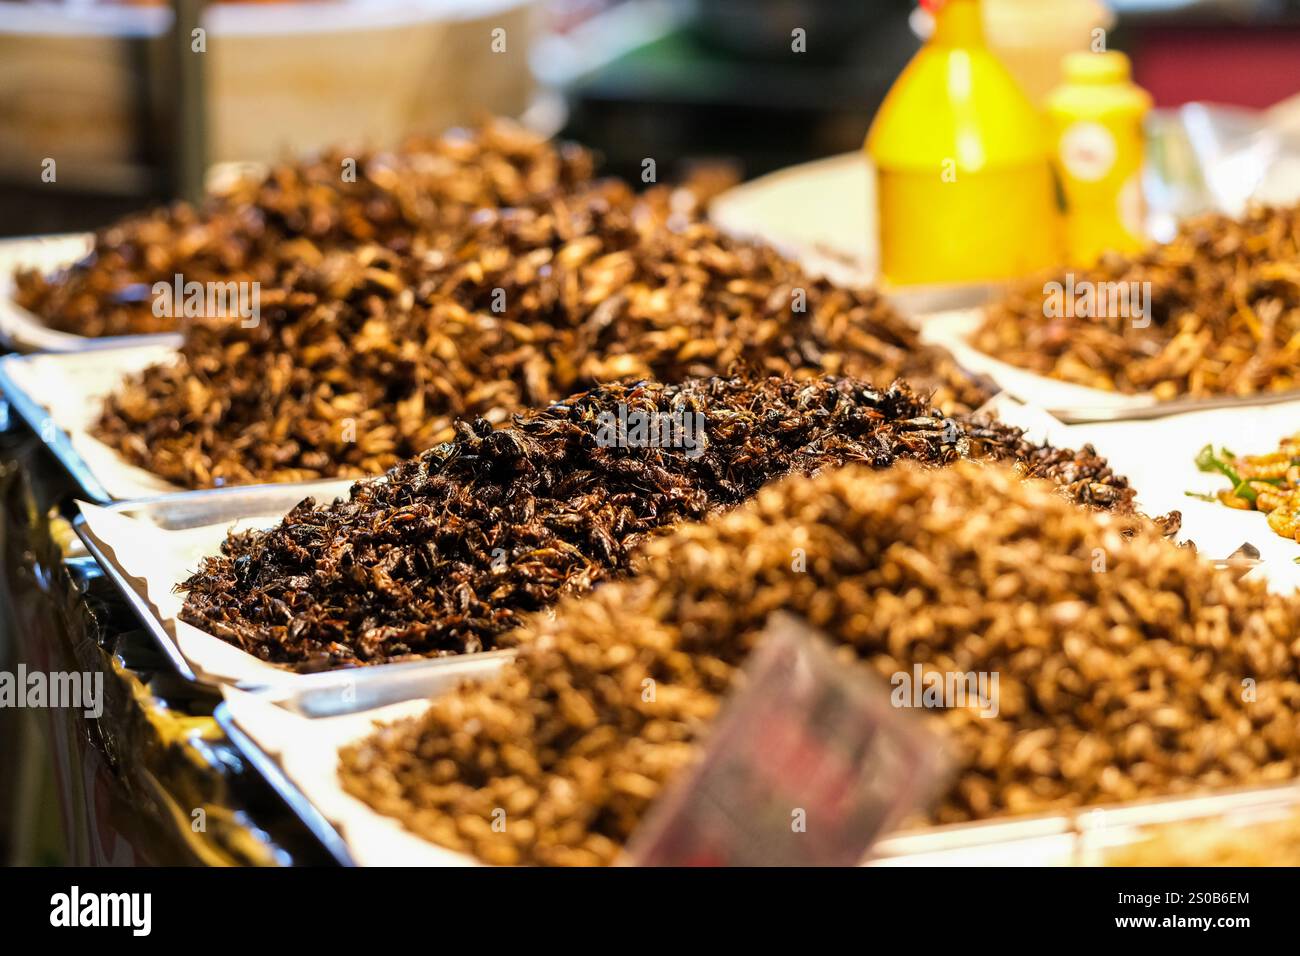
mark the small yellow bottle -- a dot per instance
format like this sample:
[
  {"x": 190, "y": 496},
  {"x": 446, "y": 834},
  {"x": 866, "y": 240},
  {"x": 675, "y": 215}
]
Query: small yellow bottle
[
  {"x": 964, "y": 184},
  {"x": 1097, "y": 116}
]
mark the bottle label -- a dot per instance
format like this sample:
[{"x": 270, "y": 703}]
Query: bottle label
[{"x": 1089, "y": 151}]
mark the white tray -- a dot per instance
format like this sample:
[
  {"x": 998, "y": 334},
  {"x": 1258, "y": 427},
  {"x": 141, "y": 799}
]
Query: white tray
[
  {"x": 20, "y": 330},
  {"x": 60, "y": 394},
  {"x": 298, "y": 755}
]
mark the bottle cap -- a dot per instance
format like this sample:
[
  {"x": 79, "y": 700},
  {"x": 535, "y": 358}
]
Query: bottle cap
[{"x": 1109, "y": 67}]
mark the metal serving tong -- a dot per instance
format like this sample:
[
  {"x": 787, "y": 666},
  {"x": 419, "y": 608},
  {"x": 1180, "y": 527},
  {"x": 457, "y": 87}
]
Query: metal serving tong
[{"x": 1085, "y": 415}]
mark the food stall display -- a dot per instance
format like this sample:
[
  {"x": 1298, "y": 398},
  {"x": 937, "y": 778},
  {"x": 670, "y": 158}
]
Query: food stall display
[{"x": 430, "y": 501}]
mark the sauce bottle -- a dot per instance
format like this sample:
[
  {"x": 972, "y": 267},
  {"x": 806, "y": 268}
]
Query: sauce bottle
[
  {"x": 964, "y": 185},
  {"x": 1097, "y": 116}
]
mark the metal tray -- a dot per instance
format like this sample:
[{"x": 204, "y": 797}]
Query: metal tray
[
  {"x": 20, "y": 330},
  {"x": 193, "y": 509},
  {"x": 1068, "y": 402},
  {"x": 1096, "y": 415},
  {"x": 1105, "y": 834},
  {"x": 1075, "y": 838},
  {"x": 1079, "y": 837},
  {"x": 298, "y": 804},
  {"x": 38, "y": 419},
  {"x": 319, "y": 695}
]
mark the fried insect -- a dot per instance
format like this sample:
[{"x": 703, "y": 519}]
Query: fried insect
[
  {"x": 1223, "y": 316},
  {"x": 1112, "y": 686},
  {"x": 447, "y": 550},
  {"x": 269, "y": 229},
  {"x": 370, "y": 358},
  {"x": 1268, "y": 483}
]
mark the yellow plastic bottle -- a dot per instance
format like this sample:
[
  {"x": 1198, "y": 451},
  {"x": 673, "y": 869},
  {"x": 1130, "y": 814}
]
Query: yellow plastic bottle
[
  {"x": 964, "y": 185},
  {"x": 1097, "y": 117}
]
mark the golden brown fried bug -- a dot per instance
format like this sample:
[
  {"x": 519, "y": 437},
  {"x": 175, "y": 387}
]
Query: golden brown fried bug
[
  {"x": 1284, "y": 520},
  {"x": 1112, "y": 685},
  {"x": 1222, "y": 315},
  {"x": 1229, "y": 498},
  {"x": 1264, "y": 467}
]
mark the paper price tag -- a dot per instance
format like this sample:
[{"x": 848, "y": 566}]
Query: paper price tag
[{"x": 806, "y": 766}]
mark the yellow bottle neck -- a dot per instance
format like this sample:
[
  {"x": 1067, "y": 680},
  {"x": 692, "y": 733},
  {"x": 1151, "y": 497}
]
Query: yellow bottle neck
[{"x": 959, "y": 23}]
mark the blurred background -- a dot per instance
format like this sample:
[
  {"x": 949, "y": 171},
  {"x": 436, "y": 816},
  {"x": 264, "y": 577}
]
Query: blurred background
[{"x": 108, "y": 90}]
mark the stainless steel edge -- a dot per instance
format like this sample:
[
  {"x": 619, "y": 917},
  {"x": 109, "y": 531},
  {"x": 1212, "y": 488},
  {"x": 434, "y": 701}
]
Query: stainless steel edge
[
  {"x": 297, "y": 802},
  {"x": 1079, "y": 415},
  {"x": 1075, "y": 826},
  {"x": 188, "y": 509},
  {"x": 323, "y": 694},
  {"x": 967, "y": 836},
  {"x": 1082, "y": 825},
  {"x": 179, "y": 510},
  {"x": 370, "y": 688},
  {"x": 58, "y": 442},
  {"x": 140, "y": 604},
  {"x": 1163, "y": 810},
  {"x": 358, "y": 689}
]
